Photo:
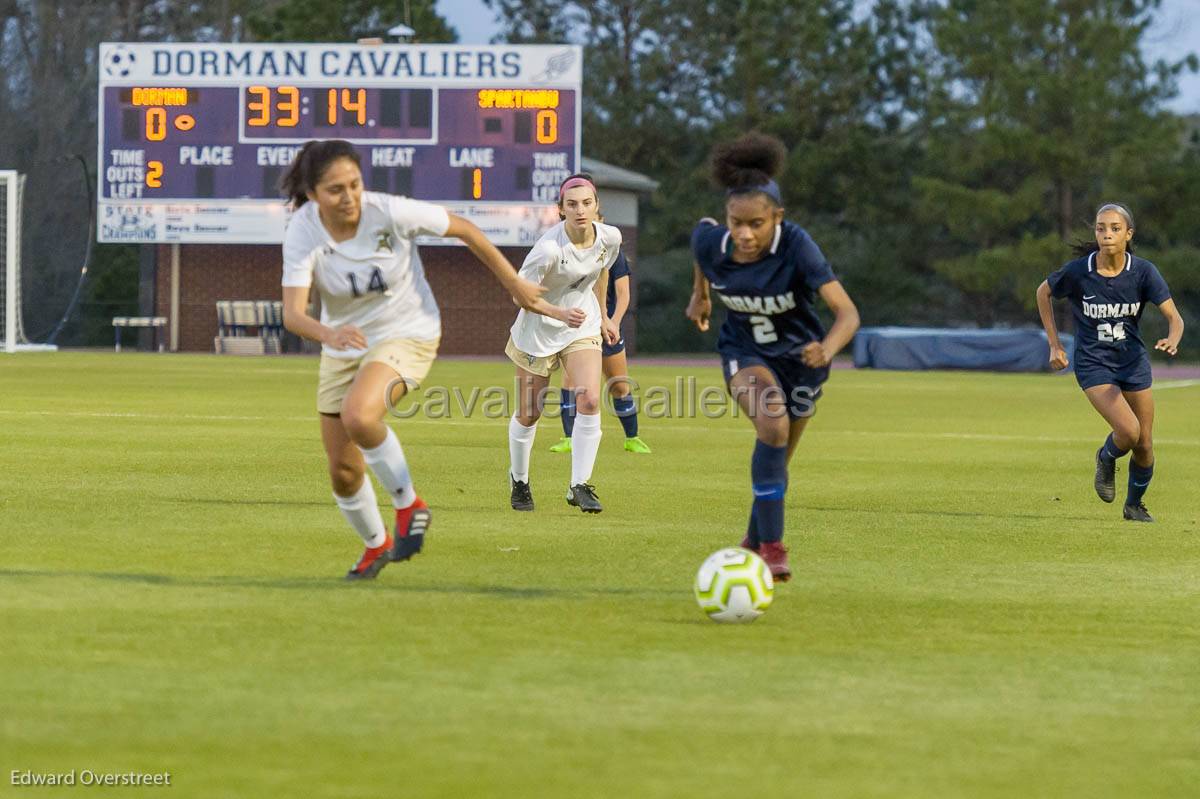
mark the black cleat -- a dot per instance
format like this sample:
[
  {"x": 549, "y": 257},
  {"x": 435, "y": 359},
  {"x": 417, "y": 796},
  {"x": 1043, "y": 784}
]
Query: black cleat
[
  {"x": 1106, "y": 483},
  {"x": 411, "y": 524},
  {"x": 1137, "y": 513},
  {"x": 372, "y": 562},
  {"x": 522, "y": 497},
  {"x": 583, "y": 496}
]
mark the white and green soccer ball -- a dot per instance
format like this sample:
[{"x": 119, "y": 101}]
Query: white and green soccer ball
[{"x": 734, "y": 585}]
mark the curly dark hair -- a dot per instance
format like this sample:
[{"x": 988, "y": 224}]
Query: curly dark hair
[
  {"x": 310, "y": 164},
  {"x": 748, "y": 161}
]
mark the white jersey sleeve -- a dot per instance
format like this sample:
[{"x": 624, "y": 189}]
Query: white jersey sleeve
[
  {"x": 300, "y": 250},
  {"x": 414, "y": 218},
  {"x": 611, "y": 236},
  {"x": 541, "y": 257}
]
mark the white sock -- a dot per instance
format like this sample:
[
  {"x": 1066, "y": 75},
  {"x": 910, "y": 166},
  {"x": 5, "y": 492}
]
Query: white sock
[
  {"x": 363, "y": 514},
  {"x": 388, "y": 464},
  {"x": 520, "y": 444},
  {"x": 585, "y": 443}
]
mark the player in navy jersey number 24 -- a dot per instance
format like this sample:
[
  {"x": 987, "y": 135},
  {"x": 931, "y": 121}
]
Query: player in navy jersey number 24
[
  {"x": 775, "y": 351},
  {"x": 1108, "y": 288}
]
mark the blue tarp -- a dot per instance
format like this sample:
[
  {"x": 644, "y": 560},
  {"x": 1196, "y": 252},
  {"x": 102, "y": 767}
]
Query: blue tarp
[{"x": 940, "y": 348}]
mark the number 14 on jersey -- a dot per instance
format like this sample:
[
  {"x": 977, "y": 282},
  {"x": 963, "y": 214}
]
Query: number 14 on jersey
[{"x": 374, "y": 283}]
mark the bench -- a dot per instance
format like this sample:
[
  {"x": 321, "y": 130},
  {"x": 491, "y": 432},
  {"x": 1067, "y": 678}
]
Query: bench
[
  {"x": 235, "y": 320},
  {"x": 152, "y": 322}
]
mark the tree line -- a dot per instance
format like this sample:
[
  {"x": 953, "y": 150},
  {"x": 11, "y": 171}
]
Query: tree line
[{"x": 944, "y": 153}]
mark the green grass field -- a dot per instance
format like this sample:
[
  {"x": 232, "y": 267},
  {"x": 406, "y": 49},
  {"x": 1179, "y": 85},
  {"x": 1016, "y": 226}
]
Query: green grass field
[{"x": 967, "y": 619}]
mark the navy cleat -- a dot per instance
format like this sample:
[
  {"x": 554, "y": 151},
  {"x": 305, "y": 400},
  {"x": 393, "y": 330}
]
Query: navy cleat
[
  {"x": 1137, "y": 513},
  {"x": 1106, "y": 478},
  {"x": 372, "y": 562},
  {"x": 583, "y": 496},
  {"x": 522, "y": 497},
  {"x": 411, "y": 524}
]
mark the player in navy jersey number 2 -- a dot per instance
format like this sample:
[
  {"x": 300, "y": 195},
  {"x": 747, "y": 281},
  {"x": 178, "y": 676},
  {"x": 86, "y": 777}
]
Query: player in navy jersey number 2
[
  {"x": 775, "y": 351},
  {"x": 1108, "y": 288},
  {"x": 379, "y": 328}
]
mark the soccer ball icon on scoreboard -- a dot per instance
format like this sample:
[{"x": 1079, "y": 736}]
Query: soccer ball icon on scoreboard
[
  {"x": 119, "y": 62},
  {"x": 734, "y": 585}
]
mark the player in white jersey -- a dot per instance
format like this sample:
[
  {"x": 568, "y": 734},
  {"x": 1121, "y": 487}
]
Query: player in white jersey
[
  {"x": 564, "y": 328},
  {"x": 379, "y": 328}
]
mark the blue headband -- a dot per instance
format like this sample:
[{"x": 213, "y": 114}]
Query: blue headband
[{"x": 770, "y": 188}]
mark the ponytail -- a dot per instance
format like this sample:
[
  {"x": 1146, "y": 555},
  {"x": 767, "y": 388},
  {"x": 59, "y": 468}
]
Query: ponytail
[{"x": 310, "y": 164}]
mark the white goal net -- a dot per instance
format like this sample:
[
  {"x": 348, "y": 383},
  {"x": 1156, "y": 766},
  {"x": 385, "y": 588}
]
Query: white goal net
[{"x": 12, "y": 331}]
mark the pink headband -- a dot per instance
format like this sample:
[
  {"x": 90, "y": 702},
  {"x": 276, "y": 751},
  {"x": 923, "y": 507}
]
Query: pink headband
[{"x": 575, "y": 183}]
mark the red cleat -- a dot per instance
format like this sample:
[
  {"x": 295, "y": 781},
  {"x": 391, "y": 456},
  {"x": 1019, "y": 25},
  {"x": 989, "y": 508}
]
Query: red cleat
[
  {"x": 776, "y": 557},
  {"x": 372, "y": 561},
  {"x": 411, "y": 524},
  {"x": 746, "y": 544}
]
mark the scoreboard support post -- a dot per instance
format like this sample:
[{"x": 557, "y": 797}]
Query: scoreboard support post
[{"x": 175, "y": 297}]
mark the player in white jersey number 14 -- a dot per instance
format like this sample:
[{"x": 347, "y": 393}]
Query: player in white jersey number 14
[{"x": 379, "y": 329}]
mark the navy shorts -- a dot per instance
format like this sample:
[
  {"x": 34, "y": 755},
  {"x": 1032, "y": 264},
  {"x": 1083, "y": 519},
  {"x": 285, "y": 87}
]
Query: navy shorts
[
  {"x": 1133, "y": 376},
  {"x": 801, "y": 385},
  {"x": 612, "y": 349}
]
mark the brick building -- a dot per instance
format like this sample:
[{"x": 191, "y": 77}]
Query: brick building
[{"x": 476, "y": 313}]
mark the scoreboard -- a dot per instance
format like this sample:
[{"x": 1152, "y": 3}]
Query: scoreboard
[{"x": 194, "y": 138}]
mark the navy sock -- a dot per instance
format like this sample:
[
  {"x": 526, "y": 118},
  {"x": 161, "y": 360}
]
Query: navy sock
[
  {"x": 768, "y": 477},
  {"x": 752, "y": 526},
  {"x": 1109, "y": 452},
  {"x": 626, "y": 410},
  {"x": 1139, "y": 481},
  {"x": 568, "y": 411}
]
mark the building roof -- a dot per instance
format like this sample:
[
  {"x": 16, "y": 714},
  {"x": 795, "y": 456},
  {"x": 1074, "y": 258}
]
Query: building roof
[{"x": 614, "y": 177}]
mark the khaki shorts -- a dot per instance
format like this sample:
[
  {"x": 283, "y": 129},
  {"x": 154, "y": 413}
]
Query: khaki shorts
[
  {"x": 410, "y": 357},
  {"x": 545, "y": 364}
]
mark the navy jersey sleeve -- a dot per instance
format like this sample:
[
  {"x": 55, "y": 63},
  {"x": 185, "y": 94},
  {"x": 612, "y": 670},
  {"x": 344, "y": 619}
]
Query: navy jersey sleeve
[
  {"x": 1065, "y": 281},
  {"x": 706, "y": 243},
  {"x": 1154, "y": 288},
  {"x": 620, "y": 267},
  {"x": 817, "y": 271}
]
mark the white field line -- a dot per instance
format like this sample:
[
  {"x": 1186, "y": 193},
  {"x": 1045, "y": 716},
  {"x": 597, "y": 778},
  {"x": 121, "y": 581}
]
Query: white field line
[
  {"x": 1163, "y": 386},
  {"x": 500, "y": 422}
]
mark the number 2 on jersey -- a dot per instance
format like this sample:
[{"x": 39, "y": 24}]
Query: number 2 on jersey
[
  {"x": 764, "y": 329},
  {"x": 376, "y": 283},
  {"x": 1111, "y": 333}
]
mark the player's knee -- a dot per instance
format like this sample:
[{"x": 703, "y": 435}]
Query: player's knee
[
  {"x": 773, "y": 432},
  {"x": 1130, "y": 433},
  {"x": 528, "y": 418},
  {"x": 345, "y": 478},
  {"x": 358, "y": 425},
  {"x": 587, "y": 403},
  {"x": 1144, "y": 445}
]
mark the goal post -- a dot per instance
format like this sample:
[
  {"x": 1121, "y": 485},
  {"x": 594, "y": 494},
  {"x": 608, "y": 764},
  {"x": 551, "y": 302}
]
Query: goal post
[
  {"x": 11, "y": 191},
  {"x": 12, "y": 329}
]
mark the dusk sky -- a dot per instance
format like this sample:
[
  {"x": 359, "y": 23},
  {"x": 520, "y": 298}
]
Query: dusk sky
[{"x": 1176, "y": 33}]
